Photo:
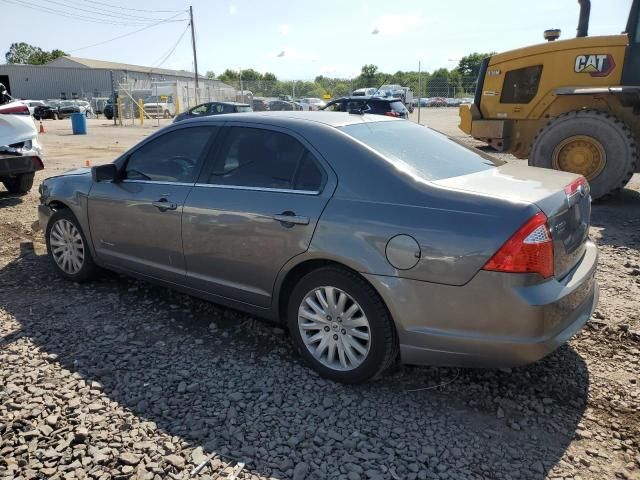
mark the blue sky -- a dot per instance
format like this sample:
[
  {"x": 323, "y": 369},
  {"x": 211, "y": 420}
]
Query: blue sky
[{"x": 297, "y": 39}]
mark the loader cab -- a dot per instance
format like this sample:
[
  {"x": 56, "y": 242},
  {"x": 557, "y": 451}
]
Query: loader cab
[{"x": 631, "y": 70}]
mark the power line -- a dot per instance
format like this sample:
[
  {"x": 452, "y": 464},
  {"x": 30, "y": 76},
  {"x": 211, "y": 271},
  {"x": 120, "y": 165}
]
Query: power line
[
  {"x": 85, "y": 18},
  {"x": 165, "y": 58},
  {"x": 118, "y": 16},
  {"x": 124, "y": 35},
  {"x": 132, "y": 9}
]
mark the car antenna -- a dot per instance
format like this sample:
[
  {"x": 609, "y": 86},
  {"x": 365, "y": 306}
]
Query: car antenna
[{"x": 385, "y": 81}]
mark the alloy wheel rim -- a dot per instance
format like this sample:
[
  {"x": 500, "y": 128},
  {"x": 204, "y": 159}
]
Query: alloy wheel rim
[
  {"x": 580, "y": 154},
  {"x": 67, "y": 246},
  {"x": 334, "y": 328}
]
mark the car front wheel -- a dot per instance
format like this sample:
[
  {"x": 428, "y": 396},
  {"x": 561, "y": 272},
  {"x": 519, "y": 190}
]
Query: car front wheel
[
  {"x": 67, "y": 247},
  {"x": 340, "y": 326}
]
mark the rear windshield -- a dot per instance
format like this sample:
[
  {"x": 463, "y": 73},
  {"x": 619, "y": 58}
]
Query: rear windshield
[
  {"x": 424, "y": 152},
  {"x": 244, "y": 108}
]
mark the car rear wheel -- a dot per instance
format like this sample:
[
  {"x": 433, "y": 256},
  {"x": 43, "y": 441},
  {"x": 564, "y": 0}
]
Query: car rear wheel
[
  {"x": 68, "y": 249},
  {"x": 340, "y": 326},
  {"x": 20, "y": 184}
]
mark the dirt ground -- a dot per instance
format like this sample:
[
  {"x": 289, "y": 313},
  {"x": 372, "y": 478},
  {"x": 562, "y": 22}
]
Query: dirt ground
[{"x": 122, "y": 379}]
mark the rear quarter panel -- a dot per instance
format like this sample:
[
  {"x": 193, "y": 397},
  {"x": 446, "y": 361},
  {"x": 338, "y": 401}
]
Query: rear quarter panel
[{"x": 457, "y": 231}]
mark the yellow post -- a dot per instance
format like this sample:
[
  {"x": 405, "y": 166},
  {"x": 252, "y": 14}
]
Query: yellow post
[
  {"x": 141, "y": 111},
  {"x": 119, "y": 105},
  {"x": 177, "y": 105}
]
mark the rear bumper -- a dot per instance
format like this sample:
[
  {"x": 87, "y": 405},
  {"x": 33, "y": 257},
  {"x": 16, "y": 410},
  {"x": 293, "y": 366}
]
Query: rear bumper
[
  {"x": 18, "y": 164},
  {"x": 496, "y": 320}
]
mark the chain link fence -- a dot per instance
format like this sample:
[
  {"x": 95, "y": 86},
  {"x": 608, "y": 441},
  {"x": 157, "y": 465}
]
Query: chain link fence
[{"x": 166, "y": 99}]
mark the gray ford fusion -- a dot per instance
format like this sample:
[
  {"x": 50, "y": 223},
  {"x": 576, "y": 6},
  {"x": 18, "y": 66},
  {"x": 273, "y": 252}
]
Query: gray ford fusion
[{"x": 374, "y": 239}]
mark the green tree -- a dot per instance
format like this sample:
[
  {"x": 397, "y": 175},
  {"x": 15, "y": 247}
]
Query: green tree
[
  {"x": 24, "y": 53},
  {"x": 368, "y": 72},
  {"x": 210, "y": 74},
  {"x": 469, "y": 65}
]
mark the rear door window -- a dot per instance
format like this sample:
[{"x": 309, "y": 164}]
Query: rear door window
[{"x": 260, "y": 158}]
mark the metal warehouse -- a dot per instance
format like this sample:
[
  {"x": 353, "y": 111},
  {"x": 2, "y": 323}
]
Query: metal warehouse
[{"x": 74, "y": 77}]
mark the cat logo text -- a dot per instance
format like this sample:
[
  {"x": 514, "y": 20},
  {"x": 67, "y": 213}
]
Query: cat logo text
[{"x": 595, "y": 65}]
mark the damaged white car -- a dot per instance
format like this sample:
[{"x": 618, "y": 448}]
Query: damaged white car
[{"x": 20, "y": 152}]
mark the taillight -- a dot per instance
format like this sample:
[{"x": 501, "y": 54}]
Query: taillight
[
  {"x": 529, "y": 250},
  {"x": 579, "y": 185},
  {"x": 392, "y": 113},
  {"x": 19, "y": 109},
  {"x": 37, "y": 163}
]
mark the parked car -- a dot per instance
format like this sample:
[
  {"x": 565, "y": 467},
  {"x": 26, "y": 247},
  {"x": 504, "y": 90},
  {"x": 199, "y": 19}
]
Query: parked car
[
  {"x": 311, "y": 104},
  {"x": 364, "y": 92},
  {"x": 282, "y": 105},
  {"x": 47, "y": 111},
  {"x": 68, "y": 107},
  {"x": 437, "y": 102},
  {"x": 372, "y": 238},
  {"x": 391, "y": 107},
  {"x": 453, "y": 102},
  {"x": 260, "y": 104},
  {"x": 32, "y": 104},
  {"x": 213, "y": 108},
  {"x": 20, "y": 152}
]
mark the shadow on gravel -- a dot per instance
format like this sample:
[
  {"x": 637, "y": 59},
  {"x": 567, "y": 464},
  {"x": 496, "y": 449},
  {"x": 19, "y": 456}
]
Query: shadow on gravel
[
  {"x": 225, "y": 381},
  {"x": 9, "y": 199},
  {"x": 619, "y": 219}
]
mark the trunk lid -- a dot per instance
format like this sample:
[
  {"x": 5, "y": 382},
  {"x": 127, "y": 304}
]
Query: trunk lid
[{"x": 568, "y": 215}]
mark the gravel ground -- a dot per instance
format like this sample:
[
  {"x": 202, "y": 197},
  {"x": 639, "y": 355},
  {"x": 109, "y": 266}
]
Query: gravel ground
[{"x": 122, "y": 379}]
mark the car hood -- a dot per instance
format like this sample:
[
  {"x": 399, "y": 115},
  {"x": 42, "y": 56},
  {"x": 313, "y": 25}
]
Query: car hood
[
  {"x": 73, "y": 172},
  {"x": 16, "y": 128}
]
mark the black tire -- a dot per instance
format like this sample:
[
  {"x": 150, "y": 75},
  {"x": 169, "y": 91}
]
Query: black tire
[
  {"x": 89, "y": 269},
  {"x": 166, "y": 114},
  {"x": 615, "y": 137},
  {"x": 383, "y": 350},
  {"x": 20, "y": 184}
]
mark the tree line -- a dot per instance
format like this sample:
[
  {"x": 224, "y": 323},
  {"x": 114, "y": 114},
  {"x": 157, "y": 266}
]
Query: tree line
[{"x": 457, "y": 82}]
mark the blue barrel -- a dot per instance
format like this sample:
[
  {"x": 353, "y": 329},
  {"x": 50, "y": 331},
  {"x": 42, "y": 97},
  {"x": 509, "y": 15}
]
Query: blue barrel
[{"x": 79, "y": 124}]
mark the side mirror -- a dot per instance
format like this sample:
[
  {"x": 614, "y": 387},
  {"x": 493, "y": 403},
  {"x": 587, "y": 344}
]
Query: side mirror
[{"x": 104, "y": 173}]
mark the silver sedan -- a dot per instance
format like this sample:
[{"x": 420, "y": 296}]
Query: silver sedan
[{"x": 374, "y": 239}]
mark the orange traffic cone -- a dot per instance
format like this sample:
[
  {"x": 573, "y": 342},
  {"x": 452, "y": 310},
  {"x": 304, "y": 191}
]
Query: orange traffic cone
[
  {"x": 87, "y": 163},
  {"x": 42, "y": 127}
]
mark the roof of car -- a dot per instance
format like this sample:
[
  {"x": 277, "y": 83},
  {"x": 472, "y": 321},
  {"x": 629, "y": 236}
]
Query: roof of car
[{"x": 332, "y": 119}]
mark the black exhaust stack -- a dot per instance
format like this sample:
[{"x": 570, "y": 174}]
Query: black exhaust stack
[{"x": 583, "y": 22}]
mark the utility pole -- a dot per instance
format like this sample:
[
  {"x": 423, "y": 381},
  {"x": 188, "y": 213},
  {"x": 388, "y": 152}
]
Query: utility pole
[
  {"x": 419, "y": 90},
  {"x": 195, "y": 57}
]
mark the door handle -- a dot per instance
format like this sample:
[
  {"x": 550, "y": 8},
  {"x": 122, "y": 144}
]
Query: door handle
[
  {"x": 290, "y": 219},
  {"x": 163, "y": 205}
]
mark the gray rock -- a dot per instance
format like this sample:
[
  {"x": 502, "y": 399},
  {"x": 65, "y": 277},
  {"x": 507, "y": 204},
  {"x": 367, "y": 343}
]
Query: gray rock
[
  {"x": 128, "y": 459},
  {"x": 300, "y": 471}
]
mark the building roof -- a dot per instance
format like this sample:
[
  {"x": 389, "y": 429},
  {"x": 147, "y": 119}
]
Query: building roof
[{"x": 104, "y": 65}]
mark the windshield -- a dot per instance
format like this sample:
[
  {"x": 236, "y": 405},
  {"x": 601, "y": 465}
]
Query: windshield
[
  {"x": 424, "y": 152},
  {"x": 244, "y": 108},
  {"x": 66, "y": 104}
]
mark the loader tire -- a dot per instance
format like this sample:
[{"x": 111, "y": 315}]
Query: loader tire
[{"x": 593, "y": 143}]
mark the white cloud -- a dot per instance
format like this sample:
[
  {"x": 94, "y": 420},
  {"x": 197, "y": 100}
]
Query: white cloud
[
  {"x": 397, "y": 23},
  {"x": 233, "y": 9},
  {"x": 284, "y": 29}
]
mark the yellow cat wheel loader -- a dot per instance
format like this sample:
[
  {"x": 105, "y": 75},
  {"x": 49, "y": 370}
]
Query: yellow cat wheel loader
[{"x": 571, "y": 105}]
